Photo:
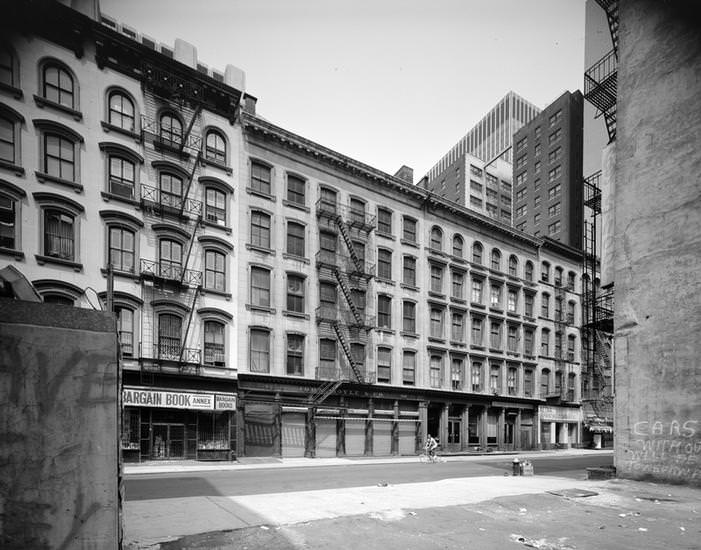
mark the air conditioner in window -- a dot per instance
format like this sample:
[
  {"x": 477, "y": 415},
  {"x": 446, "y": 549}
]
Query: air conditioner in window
[{"x": 121, "y": 189}]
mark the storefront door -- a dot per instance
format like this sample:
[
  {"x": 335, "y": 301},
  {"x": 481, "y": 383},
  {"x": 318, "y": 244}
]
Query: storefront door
[
  {"x": 168, "y": 441},
  {"x": 454, "y": 431}
]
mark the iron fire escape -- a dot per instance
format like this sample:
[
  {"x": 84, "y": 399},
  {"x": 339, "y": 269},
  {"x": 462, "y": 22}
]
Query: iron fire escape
[{"x": 345, "y": 322}]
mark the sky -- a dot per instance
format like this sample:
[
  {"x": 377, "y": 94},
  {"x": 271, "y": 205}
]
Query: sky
[{"x": 386, "y": 82}]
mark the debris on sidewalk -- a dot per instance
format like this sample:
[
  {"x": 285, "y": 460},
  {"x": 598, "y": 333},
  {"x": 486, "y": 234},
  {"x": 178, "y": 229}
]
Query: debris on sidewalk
[
  {"x": 382, "y": 484},
  {"x": 573, "y": 493},
  {"x": 542, "y": 544}
]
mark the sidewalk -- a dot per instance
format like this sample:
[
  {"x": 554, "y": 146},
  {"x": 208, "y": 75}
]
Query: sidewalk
[
  {"x": 156, "y": 467},
  {"x": 545, "y": 512}
]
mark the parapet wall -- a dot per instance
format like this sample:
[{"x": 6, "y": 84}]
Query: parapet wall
[{"x": 59, "y": 454}]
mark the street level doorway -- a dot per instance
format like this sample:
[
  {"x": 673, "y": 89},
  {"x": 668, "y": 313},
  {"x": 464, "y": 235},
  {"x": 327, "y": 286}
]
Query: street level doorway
[{"x": 168, "y": 441}]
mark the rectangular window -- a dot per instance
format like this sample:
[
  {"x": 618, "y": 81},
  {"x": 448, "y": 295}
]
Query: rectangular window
[
  {"x": 521, "y": 211},
  {"x": 384, "y": 264},
  {"x": 384, "y": 365},
  {"x": 260, "y": 350},
  {"x": 475, "y": 202},
  {"x": 436, "y": 371},
  {"x": 554, "y": 173},
  {"x": 528, "y": 305},
  {"x": 215, "y": 270},
  {"x": 536, "y": 218},
  {"x": 521, "y": 144},
  {"x": 554, "y": 228},
  {"x": 512, "y": 339},
  {"x": 215, "y": 206},
  {"x": 409, "y": 271},
  {"x": 327, "y": 359},
  {"x": 260, "y": 287},
  {"x": 558, "y": 345},
  {"x": 511, "y": 381},
  {"x": 458, "y": 284},
  {"x": 409, "y": 368},
  {"x": 457, "y": 331},
  {"x": 495, "y": 379},
  {"x": 260, "y": 178},
  {"x": 536, "y": 167},
  {"x": 520, "y": 195},
  {"x": 436, "y": 323},
  {"x": 476, "y": 377},
  {"x": 295, "y": 354},
  {"x": 260, "y": 230},
  {"x": 475, "y": 186},
  {"x": 295, "y": 294},
  {"x": 545, "y": 343},
  {"x": 477, "y": 331},
  {"x": 296, "y": 190},
  {"x": 528, "y": 383},
  {"x": 552, "y": 138},
  {"x": 7, "y": 139},
  {"x": 59, "y": 157},
  {"x": 558, "y": 309},
  {"x": 555, "y": 118},
  {"x": 555, "y": 154},
  {"x": 121, "y": 177},
  {"x": 384, "y": 312},
  {"x": 570, "y": 347},
  {"x": 512, "y": 301},
  {"x": 214, "y": 344},
  {"x": 521, "y": 161},
  {"x": 474, "y": 170},
  {"x": 537, "y": 149},
  {"x": 456, "y": 374},
  {"x": 570, "y": 312},
  {"x": 495, "y": 296},
  {"x": 536, "y": 201},
  {"x": 476, "y": 291},
  {"x": 495, "y": 336},
  {"x": 409, "y": 317},
  {"x": 59, "y": 235},
  {"x": 121, "y": 248},
  {"x": 545, "y": 306},
  {"x": 125, "y": 330},
  {"x": 295, "y": 239},
  {"x": 528, "y": 342},
  {"x": 409, "y": 229},
  {"x": 521, "y": 179},
  {"x": 437, "y": 279},
  {"x": 384, "y": 221}
]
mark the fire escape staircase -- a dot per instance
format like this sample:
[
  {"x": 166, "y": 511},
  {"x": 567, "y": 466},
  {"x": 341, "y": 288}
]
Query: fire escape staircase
[{"x": 324, "y": 391}]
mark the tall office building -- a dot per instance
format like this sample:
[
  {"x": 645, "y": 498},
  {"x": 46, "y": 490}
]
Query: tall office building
[
  {"x": 492, "y": 135},
  {"x": 548, "y": 172}
]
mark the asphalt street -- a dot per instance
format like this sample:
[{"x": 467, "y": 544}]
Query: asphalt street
[{"x": 252, "y": 482}]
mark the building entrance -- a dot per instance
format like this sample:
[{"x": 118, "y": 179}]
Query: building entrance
[
  {"x": 454, "y": 431},
  {"x": 168, "y": 441}
]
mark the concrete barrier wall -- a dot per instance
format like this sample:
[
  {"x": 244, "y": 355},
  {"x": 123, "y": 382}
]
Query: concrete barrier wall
[
  {"x": 59, "y": 468},
  {"x": 658, "y": 243}
]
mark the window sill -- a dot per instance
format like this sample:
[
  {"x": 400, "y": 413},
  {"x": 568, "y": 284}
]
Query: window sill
[
  {"x": 385, "y": 235},
  {"x": 409, "y": 287},
  {"x": 459, "y": 260},
  {"x": 496, "y": 350},
  {"x": 224, "y": 228},
  {"x": 458, "y": 344},
  {"x": 11, "y": 167},
  {"x": 107, "y": 197},
  {"x": 42, "y": 102},
  {"x": 477, "y": 305},
  {"x": 260, "y": 309},
  {"x": 160, "y": 144},
  {"x": 214, "y": 164},
  {"x": 458, "y": 300},
  {"x": 478, "y": 267},
  {"x": 436, "y": 295},
  {"x": 409, "y": 334},
  {"x": 41, "y": 260},
  {"x": 216, "y": 292},
  {"x": 385, "y": 330},
  {"x": 384, "y": 281},
  {"x": 107, "y": 127},
  {"x": 436, "y": 340},
  {"x": 413, "y": 244},
  {"x": 16, "y": 254},
  {"x": 513, "y": 314},
  {"x": 268, "y": 251},
  {"x": 295, "y": 315},
  {"x": 296, "y": 258},
  {"x": 296, "y": 206},
  {"x": 119, "y": 273},
  {"x": 529, "y": 318},
  {"x": 497, "y": 310},
  {"x": 42, "y": 177},
  {"x": 261, "y": 194},
  {"x": 512, "y": 353},
  {"x": 475, "y": 346},
  {"x": 14, "y": 92}
]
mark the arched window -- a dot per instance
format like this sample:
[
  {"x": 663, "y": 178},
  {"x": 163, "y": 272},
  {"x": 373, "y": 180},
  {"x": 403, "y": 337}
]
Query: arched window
[
  {"x": 58, "y": 85},
  {"x": 121, "y": 112},
  {"x": 60, "y": 153},
  {"x": 558, "y": 276},
  {"x": 215, "y": 149},
  {"x": 545, "y": 342},
  {"x": 125, "y": 330},
  {"x": 53, "y": 291},
  {"x": 8, "y": 67},
  {"x": 477, "y": 253},
  {"x": 513, "y": 266},
  {"x": 10, "y": 219},
  {"x": 571, "y": 280},
  {"x": 10, "y": 131},
  {"x": 59, "y": 229},
  {"x": 169, "y": 336},
  {"x": 496, "y": 259},
  {"x": 171, "y": 189},
  {"x": 214, "y": 343},
  {"x": 528, "y": 271},
  {"x": 545, "y": 272},
  {"x": 436, "y": 239},
  {"x": 457, "y": 246},
  {"x": 171, "y": 130},
  {"x": 544, "y": 383}
]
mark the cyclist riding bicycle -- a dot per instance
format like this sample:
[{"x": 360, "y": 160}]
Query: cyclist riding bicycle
[{"x": 430, "y": 446}]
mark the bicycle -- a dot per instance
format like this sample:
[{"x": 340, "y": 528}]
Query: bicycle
[{"x": 427, "y": 457}]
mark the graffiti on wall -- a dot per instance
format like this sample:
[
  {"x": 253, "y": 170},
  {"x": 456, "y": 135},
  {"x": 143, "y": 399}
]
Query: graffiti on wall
[{"x": 670, "y": 450}]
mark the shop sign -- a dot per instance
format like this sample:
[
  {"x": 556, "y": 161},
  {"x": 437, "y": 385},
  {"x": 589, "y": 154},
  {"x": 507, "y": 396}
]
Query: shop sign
[
  {"x": 560, "y": 414},
  {"x": 225, "y": 402},
  {"x": 169, "y": 399}
]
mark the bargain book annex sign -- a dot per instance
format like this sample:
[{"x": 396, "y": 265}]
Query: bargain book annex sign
[{"x": 138, "y": 397}]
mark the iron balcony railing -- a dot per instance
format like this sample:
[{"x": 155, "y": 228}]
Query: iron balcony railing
[
  {"x": 330, "y": 313},
  {"x": 169, "y": 351},
  {"x": 600, "y": 82},
  {"x": 171, "y": 272},
  {"x": 592, "y": 191},
  {"x": 170, "y": 202},
  {"x": 326, "y": 258},
  {"x": 174, "y": 139},
  {"x": 352, "y": 216}
]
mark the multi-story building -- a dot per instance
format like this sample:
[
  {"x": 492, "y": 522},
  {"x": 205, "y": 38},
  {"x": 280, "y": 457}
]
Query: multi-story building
[
  {"x": 273, "y": 297},
  {"x": 547, "y": 172},
  {"x": 472, "y": 183},
  {"x": 492, "y": 136}
]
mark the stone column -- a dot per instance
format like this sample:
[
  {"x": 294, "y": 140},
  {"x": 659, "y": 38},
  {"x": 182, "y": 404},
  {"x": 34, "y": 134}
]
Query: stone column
[{"x": 465, "y": 433}]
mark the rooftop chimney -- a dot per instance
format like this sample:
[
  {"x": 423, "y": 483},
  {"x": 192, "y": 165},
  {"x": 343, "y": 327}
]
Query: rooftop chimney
[
  {"x": 406, "y": 174},
  {"x": 91, "y": 8},
  {"x": 185, "y": 53},
  {"x": 235, "y": 77}
]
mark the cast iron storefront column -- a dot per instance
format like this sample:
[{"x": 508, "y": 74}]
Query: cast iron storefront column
[
  {"x": 240, "y": 426},
  {"x": 517, "y": 431},
  {"x": 444, "y": 426},
  {"x": 501, "y": 424},
  {"x": 369, "y": 429},
  {"x": 310, "y": 433},
  {"x": 277, "y": 426},
  {"x": 465, "y": 428},
  {"x": 422, "y": 426},
  {"x": 394, "y": 450}
]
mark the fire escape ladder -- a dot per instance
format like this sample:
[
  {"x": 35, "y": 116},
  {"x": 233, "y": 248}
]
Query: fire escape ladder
[
  {"x": 347, "y": 350},
  {"x": 325, "y": 390},
  {"x": 345, "y": 289},
  {"x": 186, "y": 135},
  {"x": 186, "y": 194},
  {"x": 187, "y": 327},
  {"x": 343, "y": 228},
  {"x": 611, "y": 9}
]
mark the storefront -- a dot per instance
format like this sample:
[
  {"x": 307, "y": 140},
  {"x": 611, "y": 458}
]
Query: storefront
[
  {"x": 560, "y": 426},
  {"x": 177, "y": 425}
]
